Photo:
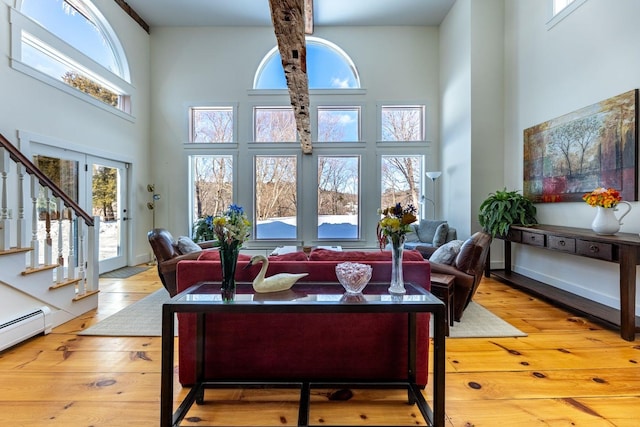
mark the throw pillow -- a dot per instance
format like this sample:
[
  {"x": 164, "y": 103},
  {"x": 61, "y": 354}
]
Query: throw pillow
[
  {"x": 446, "y": 253},
  {"x": 440, "y": 236},
  {"x": 412, "y": 236},
  {"x": 427, "y": 229},
  {"x": 187, "y": 246}
]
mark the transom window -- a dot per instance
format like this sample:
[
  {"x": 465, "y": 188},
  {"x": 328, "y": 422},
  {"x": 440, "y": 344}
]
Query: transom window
[
  {"x": 69, "y": 43},
  {"x": 328, "y": 67}
]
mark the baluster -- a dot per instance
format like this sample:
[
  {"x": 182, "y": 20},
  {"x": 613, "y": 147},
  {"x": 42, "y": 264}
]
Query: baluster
[
  {"x": 81, "y": 272},
  {"x": 5, "y": 230},
  {"x": 71, "y": 261},
  {"x": 21, "y": 224},
  {"x": 60, "y": 268},
  {"x": 93, "y": 254},
  {"x": 48, "y": 244},
  {"x": 35, "y": 244}
]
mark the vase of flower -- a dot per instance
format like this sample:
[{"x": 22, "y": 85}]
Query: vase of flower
[
  {"x": 230, "y": 230},
  {"x": 392, "y": 229},
  {"x": 229, "y": 260},
  {"x": 397, "y": 279},
  {"x": 606, "y": 201},
  {"x": 606, "y": 222}
]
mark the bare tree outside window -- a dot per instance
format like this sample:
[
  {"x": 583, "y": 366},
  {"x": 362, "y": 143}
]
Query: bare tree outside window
[
  {"x": 274, "y": 124},
  {"x": 338, "y": 124},
  {"x": 212, "y": 184},
  {"x": 276, "y": 197},
  {"x": 338, "y": 196},
  {"x": 401, "y": 181},
  {"x": 402, "y": 123},
  {"x": 211, "y": 125}
]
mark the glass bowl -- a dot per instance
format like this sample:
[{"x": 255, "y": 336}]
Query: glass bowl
[{"x": 353, "y": 276}]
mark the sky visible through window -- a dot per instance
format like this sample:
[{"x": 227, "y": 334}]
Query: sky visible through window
[
  {"x": 321, "y": 58},
  {"x": 71, "y": 26}
]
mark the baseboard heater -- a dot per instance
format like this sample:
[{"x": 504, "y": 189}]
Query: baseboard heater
[{"x": 24, "y": 327}]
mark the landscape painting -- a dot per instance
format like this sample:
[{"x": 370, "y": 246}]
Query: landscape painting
[{"x": 595, "y": 146}]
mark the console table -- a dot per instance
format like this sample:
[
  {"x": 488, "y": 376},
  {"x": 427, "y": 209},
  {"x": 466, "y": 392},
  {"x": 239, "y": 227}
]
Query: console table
[
  {"x": 621, "y": 248},
  {"x": 205, "y": 298}
]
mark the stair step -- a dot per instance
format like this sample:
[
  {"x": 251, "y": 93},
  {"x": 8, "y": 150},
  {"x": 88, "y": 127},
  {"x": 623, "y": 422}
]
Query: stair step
[
  {"x": 14, "y": 250},
  {"x": 63, "y": 284},
  {"x": 39, "y": 268},
  {"x": 85, "y": 295}
]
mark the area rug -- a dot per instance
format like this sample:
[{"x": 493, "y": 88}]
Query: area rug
[
  {"x": 144, "y": 318},
  {"x": 478, "y": 322},
  {"x": 124, "y": 272},
  {"x": 141, "y": 319}
]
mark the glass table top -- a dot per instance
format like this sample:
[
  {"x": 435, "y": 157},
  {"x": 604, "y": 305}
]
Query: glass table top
[{"x": 306, "y": 293}]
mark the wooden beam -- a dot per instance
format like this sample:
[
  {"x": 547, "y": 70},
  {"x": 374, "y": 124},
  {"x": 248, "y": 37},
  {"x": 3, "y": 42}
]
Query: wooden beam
[
  {"x": 133, "y": 14},
  {"x": 289, "y": 24}
]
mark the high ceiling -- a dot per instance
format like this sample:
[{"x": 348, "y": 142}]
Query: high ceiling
[{"x": 160, "y": 13}]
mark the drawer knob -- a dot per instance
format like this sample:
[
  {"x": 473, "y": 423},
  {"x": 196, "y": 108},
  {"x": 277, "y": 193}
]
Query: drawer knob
[
  {"x": 594, "y": 248},
  {"x": 561, "y": 243}
]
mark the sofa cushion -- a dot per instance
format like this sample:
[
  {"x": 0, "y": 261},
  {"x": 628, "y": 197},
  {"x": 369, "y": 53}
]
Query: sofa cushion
[
  {"x": 291, "y": 256},
  {"x": 214, "y": 255},
  {"x": 412, "y": 236},
  {"x": 427, "y": 229},
  {"x": 446, "y": 253},
  {"x": 328, "y": 255},
  {"x": 187, "y": 246},
  {"x": 440, "y": 236}
]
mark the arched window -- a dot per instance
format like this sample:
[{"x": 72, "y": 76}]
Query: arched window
[
  {"x": 328, "y": 67},
  {"x": 71, "y": 42}
]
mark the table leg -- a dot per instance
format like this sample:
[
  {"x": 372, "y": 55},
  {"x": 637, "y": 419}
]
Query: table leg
[
  {"x": 628, "y": 256},
  {"x": 439, "y": 366},
  {"x": 166, "y": 378}
]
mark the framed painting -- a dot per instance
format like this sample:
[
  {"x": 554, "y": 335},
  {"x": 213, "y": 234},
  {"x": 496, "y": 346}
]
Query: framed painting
[{"x": 596, "y": 146}]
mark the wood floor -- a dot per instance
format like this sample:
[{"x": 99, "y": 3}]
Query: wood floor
[{"x": 566, "y": 372}]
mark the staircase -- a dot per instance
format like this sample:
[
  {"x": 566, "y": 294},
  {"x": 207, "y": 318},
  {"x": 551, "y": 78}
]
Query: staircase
[{"x": 48, "y": 262}]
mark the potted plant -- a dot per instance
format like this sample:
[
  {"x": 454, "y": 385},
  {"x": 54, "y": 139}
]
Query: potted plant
[{"x": 503, "y": 209}]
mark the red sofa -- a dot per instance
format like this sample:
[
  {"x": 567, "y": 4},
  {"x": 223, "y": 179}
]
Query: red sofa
[{"x": 310, "y": 346}]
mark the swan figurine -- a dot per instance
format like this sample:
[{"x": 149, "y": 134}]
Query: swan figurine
[{"x": 275, "y": 283}]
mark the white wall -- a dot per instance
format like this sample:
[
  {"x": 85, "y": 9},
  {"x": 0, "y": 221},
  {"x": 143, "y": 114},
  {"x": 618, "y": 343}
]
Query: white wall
[
  {"x": 27, "y": 104},
  {"x": 589, "y": 56},
  {"x": 196, "y": 66},
  {"x": 472, "y": 92}
]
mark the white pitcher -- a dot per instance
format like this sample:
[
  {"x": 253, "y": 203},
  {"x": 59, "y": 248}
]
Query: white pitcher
[{"x": 606, "y": 222}]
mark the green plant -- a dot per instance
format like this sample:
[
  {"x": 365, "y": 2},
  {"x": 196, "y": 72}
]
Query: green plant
[{"x": 504, "y": 208}]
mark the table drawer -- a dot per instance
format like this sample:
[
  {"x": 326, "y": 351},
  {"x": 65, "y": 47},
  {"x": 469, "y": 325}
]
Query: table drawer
[
  {"x": 563, "y": 244},
  {"x": 514, "y": 236},
  {"x": 533, "y": 239},
  {"x": 595, "y": 249}
]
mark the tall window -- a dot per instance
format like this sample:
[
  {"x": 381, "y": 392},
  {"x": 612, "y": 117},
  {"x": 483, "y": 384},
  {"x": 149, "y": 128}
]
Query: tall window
[
  {"x": 211, "y": 184},
  {"x": 276, "y": 197},
  {"x": 560, "y": 9},
  {"x": 402, "y": 181},
  {"x": 338, "y": 197},
  {"x": 70, "y": 42}
]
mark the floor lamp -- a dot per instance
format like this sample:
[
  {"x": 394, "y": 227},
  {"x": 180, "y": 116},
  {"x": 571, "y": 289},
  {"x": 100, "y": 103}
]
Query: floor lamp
[{"x": 433, "y": 176}]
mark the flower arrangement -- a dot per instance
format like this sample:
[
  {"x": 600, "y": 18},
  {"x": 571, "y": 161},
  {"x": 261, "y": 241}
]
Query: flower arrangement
[
  {"x": 603, "y": 197},
  {"x": 229, "y": 227},
  {"x": 395, "y": 222}
]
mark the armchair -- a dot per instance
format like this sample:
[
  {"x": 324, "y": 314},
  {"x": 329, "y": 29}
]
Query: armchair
[
  {"x": 169, "y": 252},
  {"x": 468, "y": 268}
]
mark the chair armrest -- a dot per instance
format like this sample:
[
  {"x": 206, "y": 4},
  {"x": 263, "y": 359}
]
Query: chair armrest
[{"x": 208, "y": 244}]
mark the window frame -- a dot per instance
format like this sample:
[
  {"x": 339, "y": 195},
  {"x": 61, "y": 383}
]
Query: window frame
[
  {"x": 80, "y": 62},
  {"x": 555, "y": 18},
  {"x": 380, "y": 107},
  {"x": 212, "y": 105}
]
